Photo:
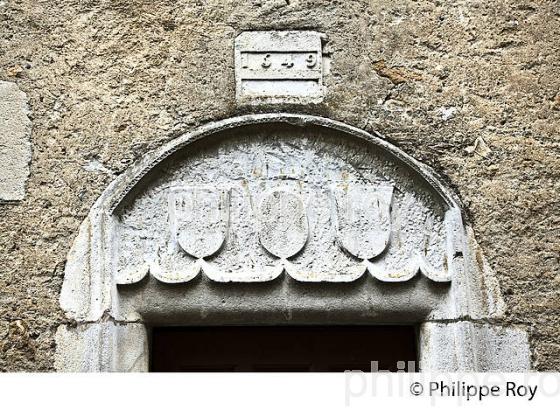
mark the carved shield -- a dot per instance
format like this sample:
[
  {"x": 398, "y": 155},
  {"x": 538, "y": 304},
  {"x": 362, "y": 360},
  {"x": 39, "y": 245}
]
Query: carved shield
[
  {"x": 283, "y": 223},
  {"x": 199, "y": 219},
  {"x": 364, "y": 219}
]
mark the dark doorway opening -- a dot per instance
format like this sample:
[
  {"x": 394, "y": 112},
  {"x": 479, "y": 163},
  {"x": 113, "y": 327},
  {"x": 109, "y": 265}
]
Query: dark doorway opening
[{"x": 283, "y": 348}]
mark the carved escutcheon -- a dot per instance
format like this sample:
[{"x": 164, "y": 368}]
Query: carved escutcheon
[
  {"x": 364, "y": 219},
  {"x": 283, "y": 223},
  {"x": 199, "y": 219}
]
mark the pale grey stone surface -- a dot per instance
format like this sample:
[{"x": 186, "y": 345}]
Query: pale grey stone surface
[
  {"x": 284, "y": 228},
  {"x": 15, "y": 144},
  {"x": 477, "y": 347},
  {"x": 282, "y": 183},
  {"x": 279, "y": 67},
  {"x": 364, "y": 219},
  {"x": 199, "y": 219},
  {"x": 102, "y": 347}
]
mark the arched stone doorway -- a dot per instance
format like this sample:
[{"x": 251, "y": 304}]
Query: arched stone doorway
[{"x": 280, "y": 219}]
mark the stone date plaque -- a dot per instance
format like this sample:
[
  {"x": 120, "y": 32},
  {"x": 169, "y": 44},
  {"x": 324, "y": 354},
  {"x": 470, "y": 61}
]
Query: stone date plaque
[{"x": 279, "y": 67}]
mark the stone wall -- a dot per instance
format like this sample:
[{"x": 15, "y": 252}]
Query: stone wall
[{"x": 470, "y": 88}]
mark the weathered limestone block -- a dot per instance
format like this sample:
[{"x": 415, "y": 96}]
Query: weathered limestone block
[
  {"x": 15, "y": 145},
  {"x": 467, "y": 346},
  {"x": 279, "y": 67},
  {"x": 102, "y": 347}
]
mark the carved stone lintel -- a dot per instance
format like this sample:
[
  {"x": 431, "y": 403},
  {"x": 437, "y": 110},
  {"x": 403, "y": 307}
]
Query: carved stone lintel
[
  {"x": 215, "y": 232},
  {"x": 320, "y": 209}
]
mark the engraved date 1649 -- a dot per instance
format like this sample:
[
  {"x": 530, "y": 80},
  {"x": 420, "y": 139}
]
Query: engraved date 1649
[{"x": 280, "y": 60}]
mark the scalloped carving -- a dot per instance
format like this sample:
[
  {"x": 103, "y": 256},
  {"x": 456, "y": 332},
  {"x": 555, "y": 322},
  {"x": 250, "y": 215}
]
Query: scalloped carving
[{"x": 245, "y": 231}]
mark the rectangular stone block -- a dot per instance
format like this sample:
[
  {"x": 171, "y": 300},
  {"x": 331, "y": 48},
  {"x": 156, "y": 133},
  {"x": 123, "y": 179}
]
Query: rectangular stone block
[
  {"x": 471, "y": 347},
  {"x": 102, "y": 347},
  {"x": 15, "y": 145},
  {"x": 279, "y": 66}
]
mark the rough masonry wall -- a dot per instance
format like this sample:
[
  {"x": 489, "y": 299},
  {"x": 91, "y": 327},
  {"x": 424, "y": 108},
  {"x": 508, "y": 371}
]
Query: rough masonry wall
[{"x": 469, "y": 87}]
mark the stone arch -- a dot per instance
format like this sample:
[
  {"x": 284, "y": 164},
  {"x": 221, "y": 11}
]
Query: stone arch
[{"x": 313, "y": 220}]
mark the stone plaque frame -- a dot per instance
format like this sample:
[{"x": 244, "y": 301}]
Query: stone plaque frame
[
  {"x": 113, "y": 300},
  {"x": 279, "y": 67}
]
